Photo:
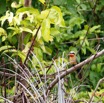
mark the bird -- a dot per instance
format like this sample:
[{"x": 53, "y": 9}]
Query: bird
[{"x": 73, "y": 61}]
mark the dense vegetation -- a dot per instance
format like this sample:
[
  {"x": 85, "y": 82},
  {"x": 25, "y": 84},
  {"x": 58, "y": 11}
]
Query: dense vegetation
[{"x": 36, "y": 37}]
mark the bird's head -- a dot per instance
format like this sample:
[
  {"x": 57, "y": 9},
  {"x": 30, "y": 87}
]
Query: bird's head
[{"x": 72, "y": 54}]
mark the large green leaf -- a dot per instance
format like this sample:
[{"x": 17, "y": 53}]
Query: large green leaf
[
  {"x": 45, "y": 30},
  {"x": 29, "y": 9},
  {"x": 55, "y": 16}
]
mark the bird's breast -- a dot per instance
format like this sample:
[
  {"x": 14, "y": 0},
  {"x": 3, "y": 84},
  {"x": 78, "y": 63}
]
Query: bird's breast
[{"x": 72, "y": 60}]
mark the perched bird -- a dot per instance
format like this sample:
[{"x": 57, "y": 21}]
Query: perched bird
[
  {"x": 73, "y": 61},
  {"x": 72, "y": 58}
]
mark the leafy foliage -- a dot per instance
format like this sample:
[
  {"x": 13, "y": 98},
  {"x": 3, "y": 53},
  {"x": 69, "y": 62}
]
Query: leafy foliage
[{"x": 66, "y": 25}]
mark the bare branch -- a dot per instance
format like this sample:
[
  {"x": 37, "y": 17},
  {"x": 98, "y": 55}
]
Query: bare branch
[{"x": 72, "y": 69}]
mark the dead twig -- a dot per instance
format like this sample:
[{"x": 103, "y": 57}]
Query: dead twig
[
  {"x": 100, "y": 81},
  {"x": 55, "y": 57}
]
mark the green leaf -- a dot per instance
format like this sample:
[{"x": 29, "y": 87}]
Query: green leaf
[
  {"x": 93, "y": 29},
  {"x": 79, "y": 34},
  {"x": 4, "y": 18},
  {"x": 54, "y": 32},
  {"x": 39, "y": 34},
  {"x": 83, "y": 94},
  {"x": 16, "y": 30},
  {"x": 8, "y": 16},
  {"x": 27, "y": 46},
  {"x": 45, "y": 30},
  {"x": 83, "y": 50},
  {"x": 55, "y": 16},
  {"x": 46, "y": 50},
  {"x": 42, "y": 1},
  {"x": 86, "y": 42},
  {"x": 15, "y": 5},
  {"x": 38, "y": 52},
  {"x": 78, "y": 1},
  {"x": 94, "y": 77},
  {"x": 70, "y": 6},
  {"x": 44, "y": 14},
  {"x": 76, "y": 21},
  {"x": 3, "y": 34},
  {"x": 93, "y": 67},
  {"x": 11, "y": 91},
  {"x": 29, "y": 9},
  {"x": 83, "y": 6},
  {"x": 91, "y": 50},
  {"x": 7, "y": 47},
  {"x": 99, "y": 67},
  {"x": 26, "y": 38},
  {"x": 25, "y": 29},
  {"x": 10, "y": 51},
  {"x": 20, "y": 54},
  {"x": 81, "y": 41}
]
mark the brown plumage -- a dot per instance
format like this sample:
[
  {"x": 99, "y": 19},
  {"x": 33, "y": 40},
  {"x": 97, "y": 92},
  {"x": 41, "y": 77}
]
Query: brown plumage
[
  {"x": 73, "y": 61},
  {"x": 72, "y": 58}
]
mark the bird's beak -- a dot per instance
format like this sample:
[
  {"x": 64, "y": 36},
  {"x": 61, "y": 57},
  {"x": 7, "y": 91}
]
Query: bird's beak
[{"x": 71, "y": 55}]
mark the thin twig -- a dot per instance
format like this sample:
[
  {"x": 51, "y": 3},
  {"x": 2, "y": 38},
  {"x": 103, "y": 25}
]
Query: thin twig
[
  {"x": 100, "y": 81},
  {"x": 83, "y": 40},
  {"x": 32, "y": 44},
  {"x": 52, "y": 62},
  {"x": 7, "y": 74}
]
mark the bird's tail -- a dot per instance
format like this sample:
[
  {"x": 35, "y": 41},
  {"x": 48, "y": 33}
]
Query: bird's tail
[{"x": 79, "y": 73}]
